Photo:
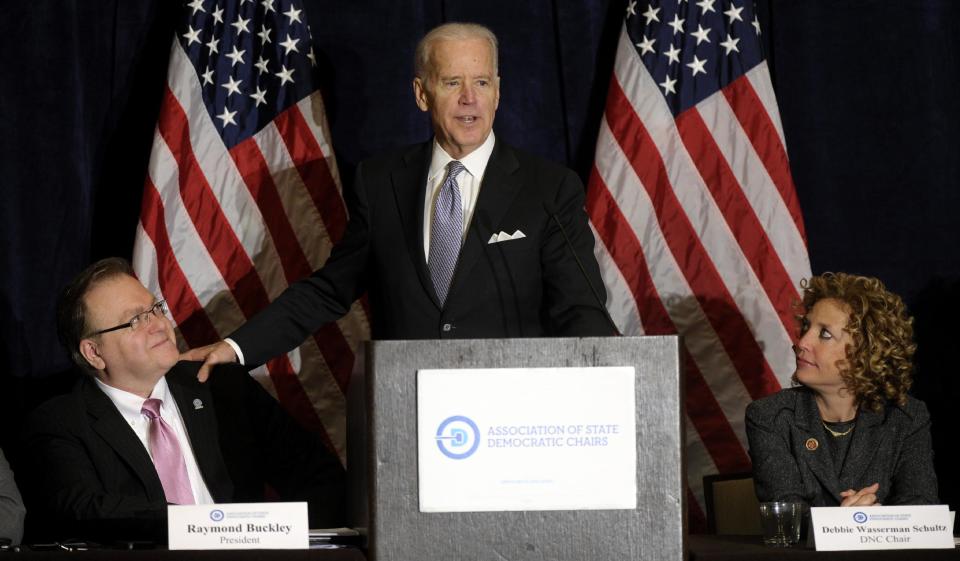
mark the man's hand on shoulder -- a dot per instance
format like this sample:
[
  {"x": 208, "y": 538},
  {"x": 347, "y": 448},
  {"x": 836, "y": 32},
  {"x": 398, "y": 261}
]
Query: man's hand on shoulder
[{"x": 218, "y": 353}]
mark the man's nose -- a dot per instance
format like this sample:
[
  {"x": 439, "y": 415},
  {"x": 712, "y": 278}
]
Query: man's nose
[
  {"x": 153, "y": 323},
  {"x": 156, "y": 322},
  {"x": 468, "y": 95}
]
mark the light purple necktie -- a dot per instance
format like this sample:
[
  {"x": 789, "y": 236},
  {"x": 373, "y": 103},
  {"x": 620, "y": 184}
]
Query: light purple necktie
[
  {"x": 446, "y": 233},
  {"x": 167, "y": 457}
]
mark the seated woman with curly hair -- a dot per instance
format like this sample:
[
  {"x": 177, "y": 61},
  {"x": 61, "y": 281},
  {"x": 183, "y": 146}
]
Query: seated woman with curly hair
[{"x": 848, "y": 435}]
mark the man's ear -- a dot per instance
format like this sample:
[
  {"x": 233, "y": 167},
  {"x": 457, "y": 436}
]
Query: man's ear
[
  {"x": 89, "y": 350},
  {"x": 420, "y": 94}
]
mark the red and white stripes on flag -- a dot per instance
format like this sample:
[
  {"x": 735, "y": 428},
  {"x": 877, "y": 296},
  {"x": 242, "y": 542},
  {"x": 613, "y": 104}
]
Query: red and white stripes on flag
[
  {"x": 223, "y": 231},
  {"x": 700, "y": 233}
]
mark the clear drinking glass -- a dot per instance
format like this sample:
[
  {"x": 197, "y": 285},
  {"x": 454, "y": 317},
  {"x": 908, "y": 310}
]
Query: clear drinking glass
[{"x": 781, "y": 523}]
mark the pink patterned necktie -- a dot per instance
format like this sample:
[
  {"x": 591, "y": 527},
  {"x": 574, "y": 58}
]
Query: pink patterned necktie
[{"x": 167, "y": 457}]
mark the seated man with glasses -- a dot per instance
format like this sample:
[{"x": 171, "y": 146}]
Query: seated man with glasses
[{"x": 139, "y": 432}]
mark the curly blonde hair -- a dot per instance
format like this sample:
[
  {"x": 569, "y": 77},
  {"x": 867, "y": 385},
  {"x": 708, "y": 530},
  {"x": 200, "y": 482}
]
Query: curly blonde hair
[{"x": 879, "y": 363}]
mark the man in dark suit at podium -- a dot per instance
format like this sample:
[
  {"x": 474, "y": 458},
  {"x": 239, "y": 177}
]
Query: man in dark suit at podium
[
  {"x": 454, "y": 238},
  {"x": 140, "y": 432}
]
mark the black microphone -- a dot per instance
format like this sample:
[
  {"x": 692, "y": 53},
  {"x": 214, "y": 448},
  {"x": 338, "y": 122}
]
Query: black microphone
[
  {"x": 552, "y": 213},
  {"x": 484, "y": 224}
]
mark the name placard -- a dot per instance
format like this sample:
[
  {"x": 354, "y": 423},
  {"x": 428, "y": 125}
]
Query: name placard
[
  {"x": 238, "y": 526},
  {"x": 882, "y": 527},
  {"x": 507, "y": 439}
]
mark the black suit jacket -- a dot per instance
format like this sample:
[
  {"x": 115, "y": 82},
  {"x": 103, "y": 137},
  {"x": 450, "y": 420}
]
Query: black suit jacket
[
  {"x": 92, "y": 478},
  {"x": 527, "y": 287},
  {"x": 892, "y": 448}
]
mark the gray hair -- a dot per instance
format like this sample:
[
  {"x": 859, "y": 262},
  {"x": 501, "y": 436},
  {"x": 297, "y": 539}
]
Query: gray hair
[{"x": 451, "y": 32}]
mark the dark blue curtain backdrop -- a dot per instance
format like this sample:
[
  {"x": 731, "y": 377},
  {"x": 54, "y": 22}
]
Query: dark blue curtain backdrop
[{"x": 867, "y": 92}]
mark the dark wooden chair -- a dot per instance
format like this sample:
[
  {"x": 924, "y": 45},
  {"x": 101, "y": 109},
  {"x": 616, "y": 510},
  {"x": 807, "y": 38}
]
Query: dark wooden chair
[{"x": 732, "y": 505}]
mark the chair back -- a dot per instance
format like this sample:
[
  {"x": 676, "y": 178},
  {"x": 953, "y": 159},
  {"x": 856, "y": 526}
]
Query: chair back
[{"x": 732, "y": 505}]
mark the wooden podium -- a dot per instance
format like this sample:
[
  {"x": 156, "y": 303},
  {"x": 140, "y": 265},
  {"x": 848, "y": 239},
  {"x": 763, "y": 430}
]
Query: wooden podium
[{"x": 382, "y": 457}]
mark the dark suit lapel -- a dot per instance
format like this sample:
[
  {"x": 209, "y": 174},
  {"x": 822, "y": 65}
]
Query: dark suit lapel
[
  {"x": 199, "y": 419},
  {"x": 818, "y": 459},
  {"x": 867, "y": 439},
  {"x": 107, "y": 422},
  {"x": 410, "y": 188},
  {"x": 500, "y": 186}
]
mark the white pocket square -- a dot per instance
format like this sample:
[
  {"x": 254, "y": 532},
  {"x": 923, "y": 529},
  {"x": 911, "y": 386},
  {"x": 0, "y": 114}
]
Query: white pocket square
[{"x": 505, "y": 237}]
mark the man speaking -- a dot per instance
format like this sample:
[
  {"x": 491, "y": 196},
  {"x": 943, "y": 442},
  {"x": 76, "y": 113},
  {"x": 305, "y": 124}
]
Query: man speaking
[{"x": 458, "y": 237}]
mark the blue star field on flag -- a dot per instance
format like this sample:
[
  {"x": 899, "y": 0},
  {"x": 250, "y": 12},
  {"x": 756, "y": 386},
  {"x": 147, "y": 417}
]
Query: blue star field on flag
[
  {"x": 692, "y": 49},
  {"x": 254, "y": 59}
]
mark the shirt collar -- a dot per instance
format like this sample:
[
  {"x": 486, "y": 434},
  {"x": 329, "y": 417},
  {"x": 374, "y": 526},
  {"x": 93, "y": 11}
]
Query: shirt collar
[
  {"x": 475, "y": 162},
  {"x": 131, "y": 404}
]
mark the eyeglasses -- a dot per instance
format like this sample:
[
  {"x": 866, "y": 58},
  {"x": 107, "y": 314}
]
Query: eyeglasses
[{"x": 159, "y": 309}]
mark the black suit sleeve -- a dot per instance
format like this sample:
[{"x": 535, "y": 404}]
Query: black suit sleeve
[
  {"x": 914, "y": 481},
  {"x": 569, "y": 304},
  {"x": 262, "y": 443},
  {"x": 776, "y": 475},
  {"x": 324, "y": 296}
]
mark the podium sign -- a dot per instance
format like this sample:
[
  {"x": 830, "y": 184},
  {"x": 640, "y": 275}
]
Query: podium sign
[
  {"x": 504, "y": 439},
  {"x": 406, "y": 512}
]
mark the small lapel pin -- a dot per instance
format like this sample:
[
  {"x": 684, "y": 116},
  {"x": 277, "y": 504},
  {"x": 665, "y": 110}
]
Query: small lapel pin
[
  {"x": 197, "y": 404},
  {"x": 812, "y": 444}
]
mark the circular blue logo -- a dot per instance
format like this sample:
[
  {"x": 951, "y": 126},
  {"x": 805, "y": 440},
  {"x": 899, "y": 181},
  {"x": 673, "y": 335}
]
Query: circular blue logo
[
  {"x": 859, "y": 517},
  {"x": 458, "y": 437},
  {"x": 216, "y": 515}
]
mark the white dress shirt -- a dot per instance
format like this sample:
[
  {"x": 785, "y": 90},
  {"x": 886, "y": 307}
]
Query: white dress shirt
[
  {"x": 130, "y": 406},
  {"x": 469, "y": 181}
]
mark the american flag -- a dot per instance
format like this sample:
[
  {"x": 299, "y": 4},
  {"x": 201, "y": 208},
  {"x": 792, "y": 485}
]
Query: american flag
[
  {"x": 243, "y": 197},
  {"x": 700, "y": 228}
]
